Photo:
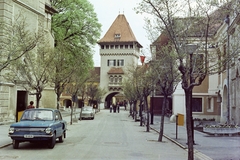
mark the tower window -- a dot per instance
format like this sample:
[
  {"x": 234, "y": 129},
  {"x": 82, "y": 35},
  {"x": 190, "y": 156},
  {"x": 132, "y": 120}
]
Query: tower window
[
  {"x": 111, "y": 62},
  {"x": 120, "y": 62},
  {"x": 117, "y": 36}
]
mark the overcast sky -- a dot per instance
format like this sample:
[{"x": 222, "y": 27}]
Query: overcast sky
[{"x": 108, "y": 10}]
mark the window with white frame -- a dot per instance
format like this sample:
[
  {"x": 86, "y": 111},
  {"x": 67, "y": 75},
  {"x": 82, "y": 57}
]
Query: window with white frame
[
  {"x": 111, "y": 62},
  {"x": 120, "y": 79},
  {"x": 111, "y": 79},
  {"x": 120, "y": 62},
  {"x": 115, "y": 79}
]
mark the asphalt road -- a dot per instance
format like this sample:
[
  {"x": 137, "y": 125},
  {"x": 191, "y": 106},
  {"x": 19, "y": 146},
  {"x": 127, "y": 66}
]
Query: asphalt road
[{"x": 108, "y": 136}]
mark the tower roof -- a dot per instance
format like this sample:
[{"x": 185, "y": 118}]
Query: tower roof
[{"x": 120, "y": 31}]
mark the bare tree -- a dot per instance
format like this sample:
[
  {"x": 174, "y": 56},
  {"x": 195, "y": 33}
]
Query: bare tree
[
  {"x": 33, "y": 70},
  {"x": 15, "y": 40},
  {"x": 167, "y": 75},
  {"x": 190, "y": 28}
]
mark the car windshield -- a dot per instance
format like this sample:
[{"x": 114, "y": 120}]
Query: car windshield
[
  {"x": 87, "y": 109},
  {"x": 37, "y": 115}
]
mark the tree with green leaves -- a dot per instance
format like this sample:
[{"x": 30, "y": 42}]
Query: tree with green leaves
[
  {"x": 130, "y": 88},
  {"x": 130, "y": 93},
  {"x": 73, "y": 88},
  {"x": 99, "y": 95},
  {"x": 76, "y": 30},
  {"x": 145, "y": 88},
  {"x": 138, "y": 86}
]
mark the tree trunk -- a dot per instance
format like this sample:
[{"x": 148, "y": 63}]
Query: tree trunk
[
  {"x": 58, "y": 101},
  {"x": 135, "y": 110},
  {"x": 38, "y": 97},
  {"x": 147, "y": 112},
  {"x": 141, "y": 113},
  {"x": 162, "y": 119},
  {"x": 58, "y": 98},
  {"x": 188, "y": 99},
  {"x": 71, "y": 120}
]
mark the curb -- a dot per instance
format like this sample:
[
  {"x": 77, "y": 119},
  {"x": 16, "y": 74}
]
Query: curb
[
  {"x": 172, "y": 140},
  {"x": 5, "y": 145},
  {"x": 197, "y": 153}
]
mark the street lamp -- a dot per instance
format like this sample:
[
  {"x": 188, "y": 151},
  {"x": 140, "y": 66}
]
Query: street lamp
[
  {"x": 190, "y": 49},
  {"x": 227, "y": 21},
  {"x": 152, "y": 115}
]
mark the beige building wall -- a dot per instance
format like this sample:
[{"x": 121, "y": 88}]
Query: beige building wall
[{"x": 37, "y": 18}]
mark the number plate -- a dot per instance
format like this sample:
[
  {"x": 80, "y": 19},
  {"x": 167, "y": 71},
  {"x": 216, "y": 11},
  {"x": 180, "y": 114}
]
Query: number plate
[{"x": 28, "y": 136}]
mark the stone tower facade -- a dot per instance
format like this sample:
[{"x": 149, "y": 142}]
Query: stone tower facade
[{"x": 119, "y": 50}]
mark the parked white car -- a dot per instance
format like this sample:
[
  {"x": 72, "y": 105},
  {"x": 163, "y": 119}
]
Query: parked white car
[{"x": 87, "y": 113}]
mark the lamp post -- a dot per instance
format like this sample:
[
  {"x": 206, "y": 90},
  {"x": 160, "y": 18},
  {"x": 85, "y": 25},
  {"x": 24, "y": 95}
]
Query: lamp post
[
  {"x": 142, "y": 58},
  {"x": 152, "y": 116},
  {"x": 190, "y": 49},
  {"x": 227, "y": 21}
]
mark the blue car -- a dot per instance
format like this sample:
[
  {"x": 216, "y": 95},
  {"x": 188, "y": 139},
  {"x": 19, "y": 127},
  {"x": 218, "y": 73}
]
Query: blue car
[{"x": 38, "y": 125}]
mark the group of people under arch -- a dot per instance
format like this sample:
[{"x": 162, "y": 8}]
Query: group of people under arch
[{"x": 116, "y": 107}]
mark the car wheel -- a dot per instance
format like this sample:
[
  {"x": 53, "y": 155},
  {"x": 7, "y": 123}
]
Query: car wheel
[
  {"x": 92, "y": 118},
  {"x": 15, "y": 144},
  {"x": 60, "y": 138},
  {"x": 52, "y": 142}
]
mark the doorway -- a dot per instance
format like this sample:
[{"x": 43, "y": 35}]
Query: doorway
[{"x": 21, "y": 102}]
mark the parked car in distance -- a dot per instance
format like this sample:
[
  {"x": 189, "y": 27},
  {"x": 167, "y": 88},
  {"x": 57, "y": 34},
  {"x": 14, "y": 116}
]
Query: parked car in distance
[
  {"x": 38, "y": 125},
  {"x": 87, "y": 112}
]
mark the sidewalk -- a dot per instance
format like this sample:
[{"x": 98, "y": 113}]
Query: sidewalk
[{"x": 208, "y": 147}]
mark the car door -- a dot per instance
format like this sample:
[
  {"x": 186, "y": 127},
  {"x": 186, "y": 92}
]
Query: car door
[{"x": 58, "y": 124}]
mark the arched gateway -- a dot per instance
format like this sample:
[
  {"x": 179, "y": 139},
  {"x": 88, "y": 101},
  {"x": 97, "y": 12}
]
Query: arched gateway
[{"x": 113, "y": 98}]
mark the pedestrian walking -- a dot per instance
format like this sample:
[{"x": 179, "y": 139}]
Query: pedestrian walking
[
  {"x": 111, "y": 107},
  {"x": 118, "y": 106}
]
